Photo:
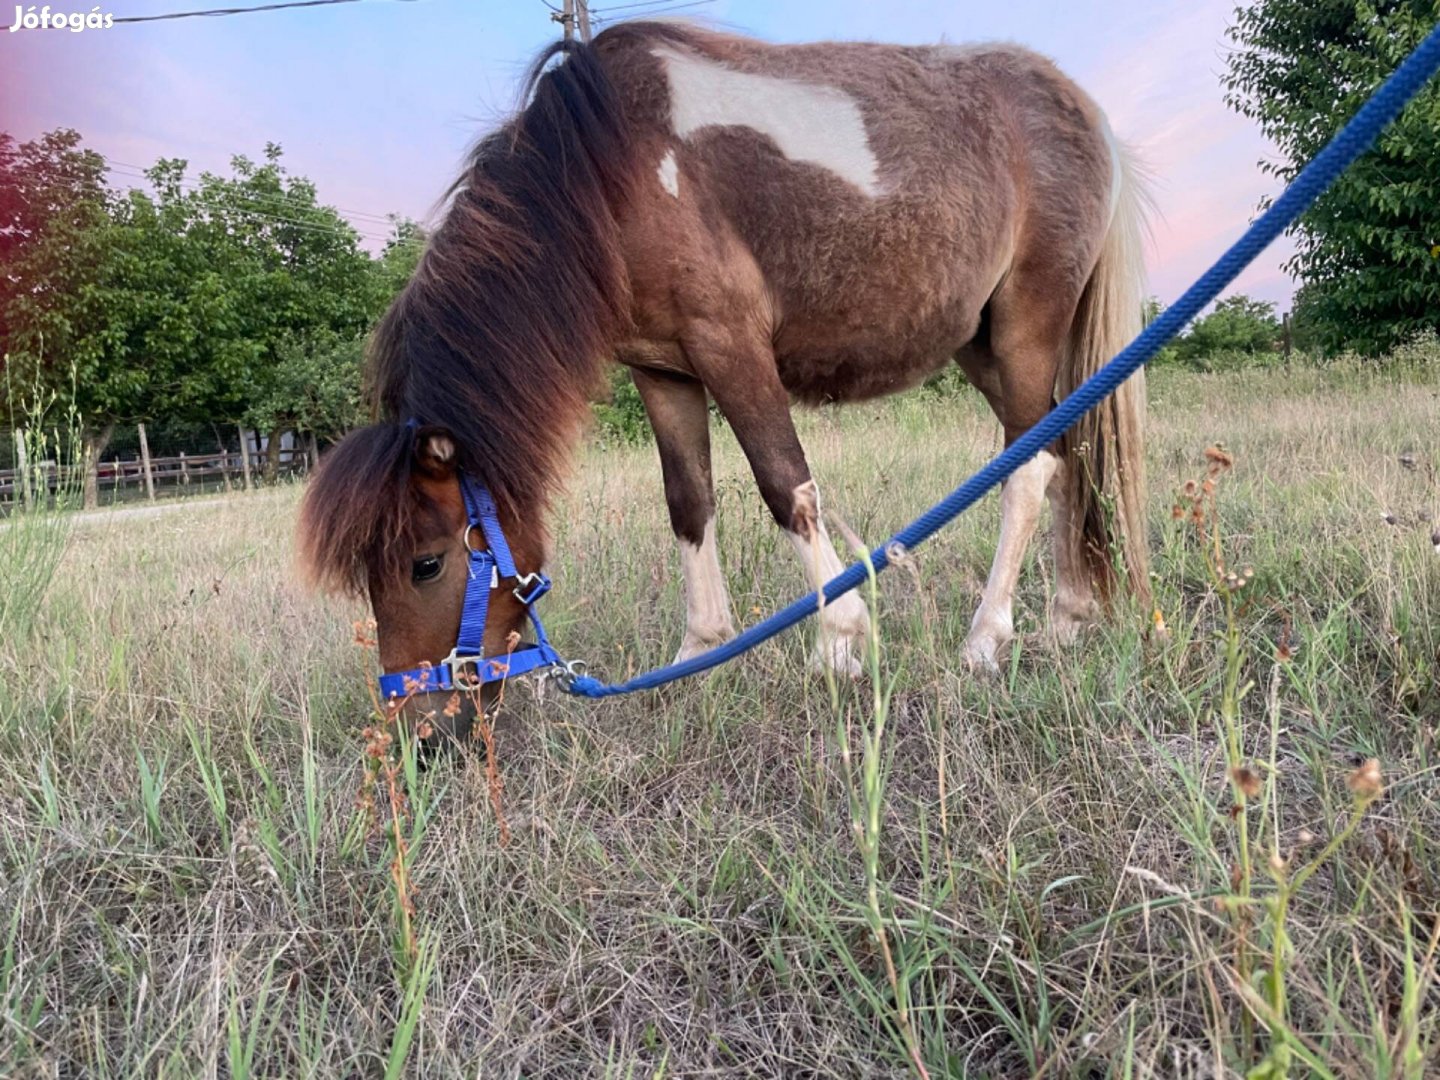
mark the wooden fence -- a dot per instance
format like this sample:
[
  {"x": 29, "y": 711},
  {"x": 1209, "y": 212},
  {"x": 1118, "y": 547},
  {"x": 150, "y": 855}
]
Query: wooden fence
[{"x": 179, "y": 471}]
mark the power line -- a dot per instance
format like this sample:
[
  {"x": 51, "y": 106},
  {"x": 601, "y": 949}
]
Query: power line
[
  {"x": 651, "y": 8},
  {"x": 253, "y": 212},
  {"x": 666, "y": 4},
  {"x": 280, "y": 200},
  {"x": 216, "y": 12}
]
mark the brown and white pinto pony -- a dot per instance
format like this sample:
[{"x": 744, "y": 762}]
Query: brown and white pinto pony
[{"x": 753, "y": 224}]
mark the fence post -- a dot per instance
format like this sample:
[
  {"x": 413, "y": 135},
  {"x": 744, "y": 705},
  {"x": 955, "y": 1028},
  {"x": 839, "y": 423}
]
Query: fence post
[
  {"x": 244, "y": 455},
  {"x": 184, "y": 470},
  {"x": 22, "y": 470},
  {"x": 145, "y": 463}
]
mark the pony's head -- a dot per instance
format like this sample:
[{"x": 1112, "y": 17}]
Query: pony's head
[
  {"x": 493, "y": 348},
  {"x": 384, "y": 518}
]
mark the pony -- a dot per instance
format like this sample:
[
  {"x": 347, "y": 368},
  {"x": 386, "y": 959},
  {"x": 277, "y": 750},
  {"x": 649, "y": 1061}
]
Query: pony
[{"x": 754, "y": 225}]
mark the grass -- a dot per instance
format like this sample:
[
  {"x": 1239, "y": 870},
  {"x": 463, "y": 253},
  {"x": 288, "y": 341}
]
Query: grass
[{"x": 1155, "y": 854}]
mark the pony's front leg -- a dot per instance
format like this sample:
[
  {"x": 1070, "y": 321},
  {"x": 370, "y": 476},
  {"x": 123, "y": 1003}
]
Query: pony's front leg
[
  {"x": 743, "y": 379},
  {"x": 844, "y": 624},
  {"x": 677, "y": 410},
  {"x": 1021, "y": 500}
]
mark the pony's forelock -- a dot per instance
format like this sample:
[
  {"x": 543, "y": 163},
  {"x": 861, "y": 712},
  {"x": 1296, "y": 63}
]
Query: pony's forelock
[{"x": 359, "y": 514}]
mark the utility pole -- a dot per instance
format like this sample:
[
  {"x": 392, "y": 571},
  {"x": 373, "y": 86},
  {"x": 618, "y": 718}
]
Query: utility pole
[{"x": 575, "y": 13}]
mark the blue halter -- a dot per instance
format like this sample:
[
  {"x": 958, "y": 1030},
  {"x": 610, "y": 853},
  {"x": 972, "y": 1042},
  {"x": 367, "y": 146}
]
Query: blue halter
[{"x": 467, "y": 668}]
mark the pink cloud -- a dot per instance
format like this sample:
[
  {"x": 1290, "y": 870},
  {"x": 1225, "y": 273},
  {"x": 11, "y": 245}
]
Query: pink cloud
[{"x": 1164, "y": 96}]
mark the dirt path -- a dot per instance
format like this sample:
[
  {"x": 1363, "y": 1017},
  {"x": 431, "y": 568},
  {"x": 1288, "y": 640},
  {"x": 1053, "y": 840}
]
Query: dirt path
[{"x": 154, "y": 510}]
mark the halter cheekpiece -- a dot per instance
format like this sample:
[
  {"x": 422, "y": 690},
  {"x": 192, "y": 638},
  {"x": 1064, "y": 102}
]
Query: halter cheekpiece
[{"x": 467, "y": 667}]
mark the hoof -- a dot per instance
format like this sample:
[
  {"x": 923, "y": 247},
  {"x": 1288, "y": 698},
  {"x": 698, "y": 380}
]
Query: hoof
[
  {"x": 990, "y": 632},
  {"x": 982, "y": 656},
  {"x": 841, "y": 654},
  {"x": 693, "y": 645},
  {"x": 1067, "y": 622}
]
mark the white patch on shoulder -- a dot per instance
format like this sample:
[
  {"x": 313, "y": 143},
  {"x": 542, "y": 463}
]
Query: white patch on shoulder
[
  {"x": 807, "y": 121},
  {"x": 670, "y": 174}
]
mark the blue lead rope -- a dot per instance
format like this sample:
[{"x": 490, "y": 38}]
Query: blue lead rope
[{"x": 1353, "y": 140}]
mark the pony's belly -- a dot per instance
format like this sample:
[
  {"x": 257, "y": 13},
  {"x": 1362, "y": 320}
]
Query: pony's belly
[
  {"x": 869, "y": 351},
  {"x": 844, "y": 374}
]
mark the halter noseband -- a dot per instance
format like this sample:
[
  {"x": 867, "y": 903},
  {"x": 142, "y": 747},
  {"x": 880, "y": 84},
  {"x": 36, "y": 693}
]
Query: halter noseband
[{"x": 487, "y": 570}]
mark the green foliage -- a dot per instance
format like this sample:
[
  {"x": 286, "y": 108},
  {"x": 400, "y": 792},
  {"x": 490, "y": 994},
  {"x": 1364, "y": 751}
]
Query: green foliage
[
  {"x": 1238, "y": 325},
  {"x": 220, "y": 299},
  {"x": 622, "y": 419},
  {"x": 1368, "y": 252}
]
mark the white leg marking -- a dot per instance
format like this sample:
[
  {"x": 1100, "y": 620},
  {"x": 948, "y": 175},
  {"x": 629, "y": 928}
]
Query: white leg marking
[
  {"x": 707, "y": 603},
  {"x": 1075, "y": 605},
  {"x": 845, "y": 624},
  {"x": 808, "y": 121},
  {"x": 1021, "y": 500},
  {"x": 670, "y": 174}
]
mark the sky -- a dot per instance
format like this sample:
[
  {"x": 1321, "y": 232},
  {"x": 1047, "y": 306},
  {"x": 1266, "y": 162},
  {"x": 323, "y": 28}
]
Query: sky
[{"x": 377, "y": 101}]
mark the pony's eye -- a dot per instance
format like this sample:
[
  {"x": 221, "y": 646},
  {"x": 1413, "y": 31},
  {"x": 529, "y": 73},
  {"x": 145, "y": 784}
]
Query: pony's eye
[{"x": 425, "y": 568}]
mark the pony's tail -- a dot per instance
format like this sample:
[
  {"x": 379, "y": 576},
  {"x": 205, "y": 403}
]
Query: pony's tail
[{"x": 1105, "y": 451}]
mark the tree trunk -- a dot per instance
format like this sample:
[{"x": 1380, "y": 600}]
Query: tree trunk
[
  {"x": 224, "y": 458},
  {"x": 22, "y": 471},
  {"x": 244, "y": 454},
  {"x": 314, "y": 456},
  {"x": 94, "y": 443},
  {"x": 272, "y": 457},
  {"x": 145, "y": 463}
]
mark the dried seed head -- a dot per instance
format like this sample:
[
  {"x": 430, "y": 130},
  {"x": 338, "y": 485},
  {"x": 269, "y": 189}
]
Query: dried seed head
[
  {"x": 1305, "y": 838},
  {"x": 1366, "y": 782},
  {"x": 1216, "y": 455},
  {"x": 1277, "y": 864},
  {"x": 1247, "y": 780}
]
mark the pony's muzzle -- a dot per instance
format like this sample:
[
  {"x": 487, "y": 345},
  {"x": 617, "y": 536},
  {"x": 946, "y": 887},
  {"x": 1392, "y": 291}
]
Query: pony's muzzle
[{"x": 441, "y": 719}]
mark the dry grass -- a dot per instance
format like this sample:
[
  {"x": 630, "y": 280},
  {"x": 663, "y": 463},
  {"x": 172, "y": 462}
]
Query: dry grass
[{"x": 186, "y": 889}]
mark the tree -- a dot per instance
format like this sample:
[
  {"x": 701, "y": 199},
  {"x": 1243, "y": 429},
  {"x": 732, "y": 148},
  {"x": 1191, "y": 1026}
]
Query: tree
[
  {"x": 86, "y": 299},
  {"x": 1368, "y": 252},
  {"x": 298, "y": 278},
  {"x": 1237, "y": 325},
  {"x": 315, "y": 384}
]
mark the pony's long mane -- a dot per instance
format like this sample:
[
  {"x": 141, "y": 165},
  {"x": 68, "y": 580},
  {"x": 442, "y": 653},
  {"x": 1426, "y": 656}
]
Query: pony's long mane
[{"x": 501, "y": 335}]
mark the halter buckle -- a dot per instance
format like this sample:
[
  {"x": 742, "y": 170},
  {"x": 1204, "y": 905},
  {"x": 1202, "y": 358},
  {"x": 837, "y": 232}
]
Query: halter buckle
[
  {"x": 537, "y": 583},
  {"x": 461, "y": 679}
]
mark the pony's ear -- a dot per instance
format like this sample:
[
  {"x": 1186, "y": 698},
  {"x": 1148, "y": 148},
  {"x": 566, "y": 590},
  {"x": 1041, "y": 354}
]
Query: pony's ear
[{"x": 435, "y": 452}]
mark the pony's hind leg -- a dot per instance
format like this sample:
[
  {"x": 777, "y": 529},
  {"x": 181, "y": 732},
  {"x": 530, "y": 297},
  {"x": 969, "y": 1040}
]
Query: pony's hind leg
[
  {"x": 1029, "y": 319},
  {"x": 1075, "y": 607},
  {"x": 1021, "y": 499},
  {"x": 677, "y": 410}
]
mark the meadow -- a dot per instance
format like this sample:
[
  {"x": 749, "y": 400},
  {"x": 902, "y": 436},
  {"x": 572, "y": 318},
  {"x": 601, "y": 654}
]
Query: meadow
[{"x": 1163, "y": 852}]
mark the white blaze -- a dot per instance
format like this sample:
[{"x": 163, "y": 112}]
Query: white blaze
[
  {"x": 669, "y": 174},
  {"x": 807, "y": 121}
]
